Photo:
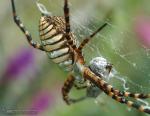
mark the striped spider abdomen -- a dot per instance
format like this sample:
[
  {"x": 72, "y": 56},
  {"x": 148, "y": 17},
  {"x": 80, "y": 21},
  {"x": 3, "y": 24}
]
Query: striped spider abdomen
[{"x": 52, "y": 35}]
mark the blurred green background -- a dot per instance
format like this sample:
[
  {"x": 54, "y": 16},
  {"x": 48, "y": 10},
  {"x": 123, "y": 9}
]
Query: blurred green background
[{"x": 30, "y": 82}]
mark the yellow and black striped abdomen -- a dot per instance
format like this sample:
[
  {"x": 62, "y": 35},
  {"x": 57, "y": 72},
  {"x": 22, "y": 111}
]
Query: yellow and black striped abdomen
[{"x": 52, "y": 31}]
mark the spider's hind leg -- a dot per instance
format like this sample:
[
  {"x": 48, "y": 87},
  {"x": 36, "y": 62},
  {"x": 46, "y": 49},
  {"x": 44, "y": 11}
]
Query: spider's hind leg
[
  {"x": 69, "y": 83},
  {"x": 106, "y": 88},
  {"x": 23, "y": 29}
]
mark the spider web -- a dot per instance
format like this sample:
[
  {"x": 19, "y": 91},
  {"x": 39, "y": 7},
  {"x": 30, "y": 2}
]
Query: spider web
[{"x": 117, "y": 43}]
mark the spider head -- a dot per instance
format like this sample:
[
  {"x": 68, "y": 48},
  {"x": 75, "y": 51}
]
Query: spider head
[{"x": 100, "y": 67}]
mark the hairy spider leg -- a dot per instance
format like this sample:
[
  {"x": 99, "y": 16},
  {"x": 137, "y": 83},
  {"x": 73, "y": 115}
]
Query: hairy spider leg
[
  {"x": 69, "y": 83},
  {"x": 89, "y": 75},
  {"x": 117, "y": 92},
  {"x": 24, "y": 30}
]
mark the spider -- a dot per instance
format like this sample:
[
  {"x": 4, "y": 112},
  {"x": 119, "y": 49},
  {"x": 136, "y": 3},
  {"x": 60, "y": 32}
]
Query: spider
[{"x": 58, "y": 42}]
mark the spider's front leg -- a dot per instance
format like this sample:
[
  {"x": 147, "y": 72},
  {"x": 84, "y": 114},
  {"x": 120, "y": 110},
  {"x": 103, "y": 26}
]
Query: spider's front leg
[
  {"x": 101, "y": 84},
  {"x": 23, "y": 29},
  {"x": 101, "y": 68},
  {"x": 67, "y": 25},
  {"x": 69, "y": 83}
]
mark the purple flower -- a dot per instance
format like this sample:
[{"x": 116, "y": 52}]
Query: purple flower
[
  {"x": 42, "y": 101},
  {"x": 18, "y": 63},
  {"x": 142, "y": 28}
]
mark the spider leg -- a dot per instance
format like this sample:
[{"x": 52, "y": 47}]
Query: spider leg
[
  {"x": 23, "y": 29},
  {"x": 69, "y": 83},
  {"x": 117, "y": 92},
  {"x": 107, "y": 89},
  {"x": 129, "y": 103},
  {"x": 87, "y": 39},
  {"x": 67, "y": 20}
]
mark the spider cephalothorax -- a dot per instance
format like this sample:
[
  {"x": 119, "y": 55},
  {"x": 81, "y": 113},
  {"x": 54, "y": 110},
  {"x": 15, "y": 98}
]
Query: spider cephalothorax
[{"x": 58, "y": 42}]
